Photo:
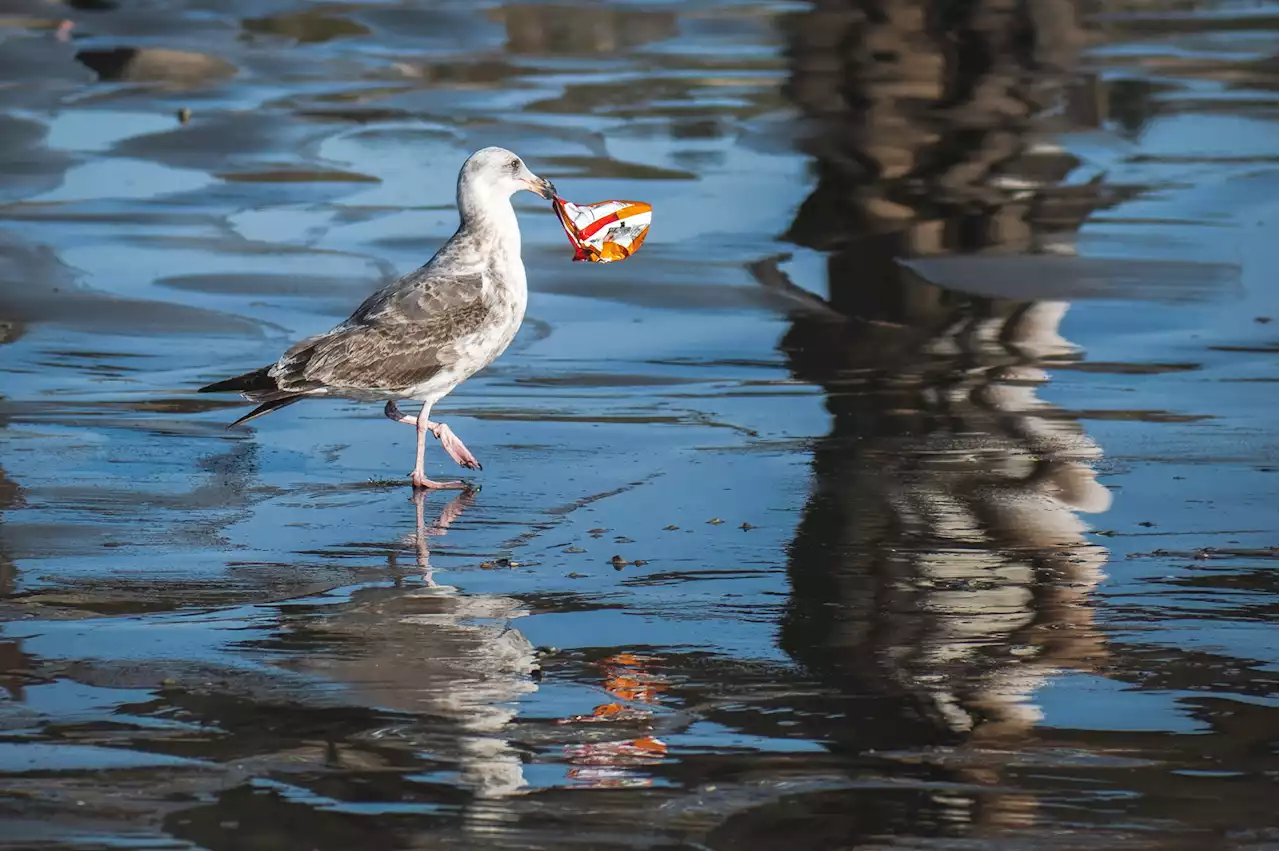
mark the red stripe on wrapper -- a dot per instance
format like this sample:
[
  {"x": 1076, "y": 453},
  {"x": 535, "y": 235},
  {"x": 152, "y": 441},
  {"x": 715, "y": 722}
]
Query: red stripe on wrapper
[{"x": 608, "y": 250}]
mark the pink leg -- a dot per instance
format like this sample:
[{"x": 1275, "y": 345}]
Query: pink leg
[
  {"x": 456, "y": 448},
  {"x": 419, "y": 477},
  {"x": 452, "y": 444}
]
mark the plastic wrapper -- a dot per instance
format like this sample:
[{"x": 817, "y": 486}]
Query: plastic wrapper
[{"x": 604, "y": 232}]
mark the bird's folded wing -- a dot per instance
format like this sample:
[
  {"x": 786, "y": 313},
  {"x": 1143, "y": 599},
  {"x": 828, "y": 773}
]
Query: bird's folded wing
[
  {"x": 422, "y": 296},
  {"x": 399, "y": 337}
]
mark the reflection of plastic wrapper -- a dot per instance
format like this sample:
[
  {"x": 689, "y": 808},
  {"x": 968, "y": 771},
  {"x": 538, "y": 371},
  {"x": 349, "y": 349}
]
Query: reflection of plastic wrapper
[
  {"x": 604, "y": 765},
  {"x": 619, "y": 763},
  {"x": 645, "y": 750},
  {"x": 604, "y": 232}
]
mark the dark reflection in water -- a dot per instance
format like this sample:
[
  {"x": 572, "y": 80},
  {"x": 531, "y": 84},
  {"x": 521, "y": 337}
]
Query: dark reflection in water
[
  {"x": 941, "y": 571},
  {"x": 581, "y": 29},
  {"x": 152, "y": 65},
  {"x": 10, "y": 498},
  {"x": 943, "y": 518},
  {"x": 13, "y": 662}
]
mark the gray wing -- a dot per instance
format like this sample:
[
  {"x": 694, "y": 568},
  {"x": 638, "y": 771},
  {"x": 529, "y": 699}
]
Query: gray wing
[{"x": 400, "y": 336}]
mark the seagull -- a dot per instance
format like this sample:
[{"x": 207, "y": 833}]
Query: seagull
[{"x": 426, "y": 333}]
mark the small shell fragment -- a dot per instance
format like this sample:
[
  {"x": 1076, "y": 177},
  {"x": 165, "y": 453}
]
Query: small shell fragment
[{"x": 604, "y": 232}]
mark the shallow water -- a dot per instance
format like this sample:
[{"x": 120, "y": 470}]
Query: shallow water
[{"x": 934, "y": 427}]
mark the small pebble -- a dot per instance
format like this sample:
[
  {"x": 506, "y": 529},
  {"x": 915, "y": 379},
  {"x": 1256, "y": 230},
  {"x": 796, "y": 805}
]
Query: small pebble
[
  {"x": 714, "y": 521},
  {"x": 184, "y": 115},
  {"x": 621, "y": 539},
  {"x": 671, "y": 528},
  {"x": 618, "y": 562},
  {"x": 639, "y": 562},
  {"x": 574, "y": 550},
  {"x": 576, "y": 575},
  {"x": 746, "y": 527},
  {"x": 596, "y": 531}
]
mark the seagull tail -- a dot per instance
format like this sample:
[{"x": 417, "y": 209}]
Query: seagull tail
[
  {"x": 250, "y": 382},
  {"x": 268, "y": 407},
  {"x": 256, "y": 386}
]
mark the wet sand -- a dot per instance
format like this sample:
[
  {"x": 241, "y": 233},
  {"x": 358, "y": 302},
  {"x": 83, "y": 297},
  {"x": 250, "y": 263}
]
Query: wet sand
[{"x": 933, "y": 431}]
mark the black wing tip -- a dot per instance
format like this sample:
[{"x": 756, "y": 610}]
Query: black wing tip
[
  {"x": 219, "y": 387},
  {"x": 258, "y": 379},
  {"x": 266, "y": 408}
]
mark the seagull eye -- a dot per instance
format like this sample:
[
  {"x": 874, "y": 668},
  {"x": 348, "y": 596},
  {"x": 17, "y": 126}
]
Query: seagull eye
[{"x": 515, "y": 165}]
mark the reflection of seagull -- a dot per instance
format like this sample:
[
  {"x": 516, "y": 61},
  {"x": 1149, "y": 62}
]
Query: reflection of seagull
[
  {"x": 422, "y": 531},
  {"x": 423, "y": 335},
  {"x": 452, "y": 659}
]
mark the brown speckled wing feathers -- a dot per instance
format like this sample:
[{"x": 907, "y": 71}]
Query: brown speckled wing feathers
[{"x": 400, "y": 337}]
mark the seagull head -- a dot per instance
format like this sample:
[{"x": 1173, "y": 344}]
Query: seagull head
[{"x": 492, "y": 173}]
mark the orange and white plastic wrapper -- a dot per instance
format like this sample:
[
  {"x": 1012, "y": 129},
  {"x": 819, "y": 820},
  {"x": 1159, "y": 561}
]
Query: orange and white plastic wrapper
[{"x": 604, "y": 232}]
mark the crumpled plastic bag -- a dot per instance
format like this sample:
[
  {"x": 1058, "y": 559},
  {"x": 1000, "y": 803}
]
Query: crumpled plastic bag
[{"x": 604, "y": 232}]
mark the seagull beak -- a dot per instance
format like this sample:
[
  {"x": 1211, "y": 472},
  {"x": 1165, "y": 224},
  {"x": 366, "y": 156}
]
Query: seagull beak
[{"x": 542, "y": 187}]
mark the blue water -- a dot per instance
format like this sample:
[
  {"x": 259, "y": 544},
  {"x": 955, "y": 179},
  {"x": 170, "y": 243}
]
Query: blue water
[{"x": 955, "y": 554}]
